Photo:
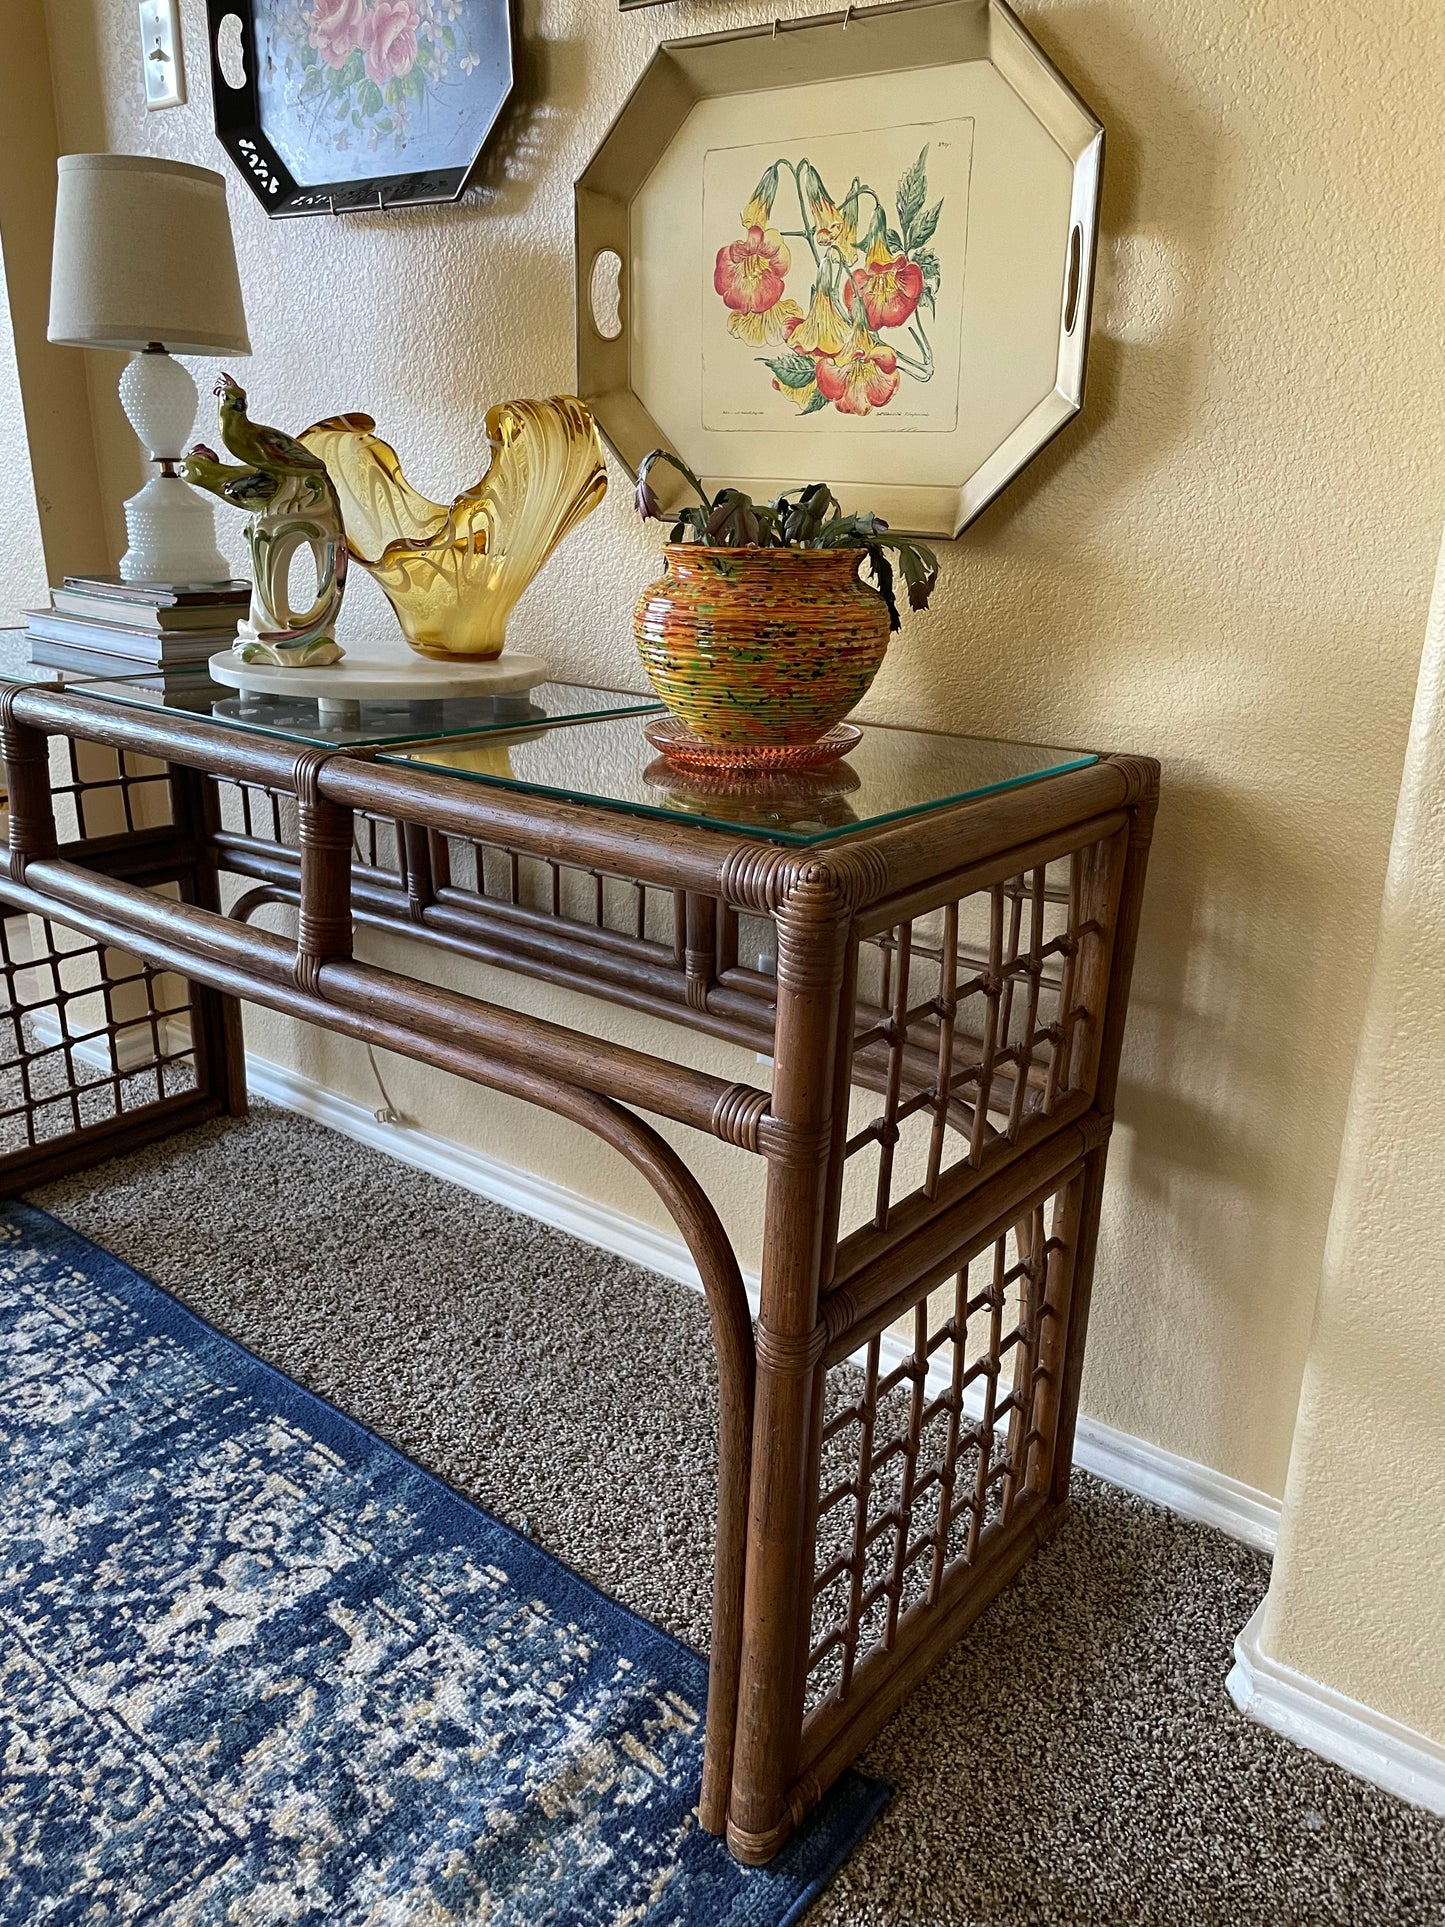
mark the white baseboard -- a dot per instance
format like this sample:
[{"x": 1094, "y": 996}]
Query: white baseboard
[
  {"x": 1193, "y": 1491},
  {"x": 1368, "y": 1744},
  {"x": 130, "y": 1049},
  {"x": 542, "y": 1198},
  {"x": 1181, "y": 1485}
]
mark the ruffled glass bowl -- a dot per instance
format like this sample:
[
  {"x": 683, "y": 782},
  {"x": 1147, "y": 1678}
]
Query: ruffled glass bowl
[{"x": 453, "y": 573}]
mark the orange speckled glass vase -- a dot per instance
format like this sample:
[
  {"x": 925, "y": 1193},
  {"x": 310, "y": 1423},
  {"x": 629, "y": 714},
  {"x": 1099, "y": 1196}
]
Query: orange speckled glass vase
[{"x": 750, "y": 645}]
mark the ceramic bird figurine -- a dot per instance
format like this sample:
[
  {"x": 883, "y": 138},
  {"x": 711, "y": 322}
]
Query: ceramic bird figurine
[
  {"x": 289, "y": 497},
  {"x": 253, "y": 442},
  {"x": 244, "y": 488}
]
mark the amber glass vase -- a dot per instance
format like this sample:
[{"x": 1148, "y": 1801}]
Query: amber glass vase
[
  {"x": 453, "y": 572},
  {"x": 749, "y": 645}
]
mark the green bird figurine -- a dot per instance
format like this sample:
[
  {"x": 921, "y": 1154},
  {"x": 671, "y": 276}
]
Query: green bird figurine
[
  {"x": 287, "y": 492},
  {"x": 244, "y": 488},
  {"x": 253, "y": 442}
]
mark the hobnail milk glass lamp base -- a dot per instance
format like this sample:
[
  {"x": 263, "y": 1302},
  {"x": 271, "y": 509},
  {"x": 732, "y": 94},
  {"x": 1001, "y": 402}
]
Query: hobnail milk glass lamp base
[
  {"x": 170, "y": 526},
  {"x": 172, "y": 535}
]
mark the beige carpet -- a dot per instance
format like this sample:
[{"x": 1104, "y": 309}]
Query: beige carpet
[{"x": 1074, "y": 1760}]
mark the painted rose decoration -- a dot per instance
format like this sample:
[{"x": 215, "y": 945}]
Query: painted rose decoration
[
  {"x": 872, "y": 286},
  {"x": 367, "y": 74}
]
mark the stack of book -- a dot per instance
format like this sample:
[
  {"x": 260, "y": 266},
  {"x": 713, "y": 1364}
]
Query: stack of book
[{"x": 101, "y": 625}]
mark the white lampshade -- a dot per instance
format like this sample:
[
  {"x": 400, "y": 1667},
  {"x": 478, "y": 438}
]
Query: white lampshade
[{"x": 143, "y": 254}]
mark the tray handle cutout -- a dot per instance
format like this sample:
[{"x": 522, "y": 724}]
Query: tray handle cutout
[
  {"x": 604, "y": 294},
  {"x": 1073, "y": 278}
]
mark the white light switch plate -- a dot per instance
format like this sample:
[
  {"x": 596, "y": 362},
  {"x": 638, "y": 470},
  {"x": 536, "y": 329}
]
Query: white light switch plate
[{"x": 163, "y": 69}]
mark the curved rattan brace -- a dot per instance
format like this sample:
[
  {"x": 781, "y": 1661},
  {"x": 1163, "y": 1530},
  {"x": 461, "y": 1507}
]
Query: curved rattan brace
[
  {"x": 246, "y": 905},
  {"x": 702, "y": 1230},
  {"x": 732, "y": 1336},
  {"x": 686, "y": 1202}
]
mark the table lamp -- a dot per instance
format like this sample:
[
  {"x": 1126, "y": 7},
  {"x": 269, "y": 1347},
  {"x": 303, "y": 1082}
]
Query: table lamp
[{"x": 144, "y": 261}]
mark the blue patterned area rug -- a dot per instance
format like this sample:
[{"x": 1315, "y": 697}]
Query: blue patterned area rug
[{"x": 260, "y": 1668}]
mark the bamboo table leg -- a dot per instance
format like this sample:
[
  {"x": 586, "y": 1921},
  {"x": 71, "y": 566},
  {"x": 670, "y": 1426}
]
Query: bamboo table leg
[{"x": 812, "y": 933}]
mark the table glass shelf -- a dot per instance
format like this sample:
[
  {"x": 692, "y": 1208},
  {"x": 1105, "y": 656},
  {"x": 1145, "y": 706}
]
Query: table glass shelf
[
  {"x": 892, "y": 773},
  {"x": 587, "y": 746},
  {"x": 298, "y": 718}
]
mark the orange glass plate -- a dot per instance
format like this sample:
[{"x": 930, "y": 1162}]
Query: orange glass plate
[{"x": 686, "y": 751}]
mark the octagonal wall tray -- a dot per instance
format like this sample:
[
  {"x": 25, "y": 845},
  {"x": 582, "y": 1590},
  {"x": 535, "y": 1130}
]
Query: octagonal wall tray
[
  {"x": 330, "y": 109},
  {"x": 856, "y": 248}
]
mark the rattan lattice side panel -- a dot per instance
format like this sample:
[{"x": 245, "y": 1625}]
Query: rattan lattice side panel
[
  {"x": 98, "y": 792},
  {"x": 100, "y": 1050},
  {"x": 979, "y": 1022},
  {"x": 86, "y": 1033},
  {"x": 931, "y": 1453}
]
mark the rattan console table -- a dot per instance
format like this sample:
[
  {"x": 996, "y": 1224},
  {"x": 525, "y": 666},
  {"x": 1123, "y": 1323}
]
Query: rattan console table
[{"x": 932, "y": 944}]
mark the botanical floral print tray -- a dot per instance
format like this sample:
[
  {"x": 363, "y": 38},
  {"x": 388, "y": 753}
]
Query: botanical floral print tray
[{"x": 852, "y": 249}]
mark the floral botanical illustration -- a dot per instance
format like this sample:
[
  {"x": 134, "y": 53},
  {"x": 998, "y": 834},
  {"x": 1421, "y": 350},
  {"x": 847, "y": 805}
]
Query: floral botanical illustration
[
  {"x": 872, "y": 286},
  {"x": 368, "y": 76}
]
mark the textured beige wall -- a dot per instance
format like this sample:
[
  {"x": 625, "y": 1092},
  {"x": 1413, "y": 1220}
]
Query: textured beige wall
[
  {"x": 1226, "y": 562},
  {"x": 48, "y": 408},
  {"x": 1357, "y": 1596},
  {"x": 22, "y": 580}
]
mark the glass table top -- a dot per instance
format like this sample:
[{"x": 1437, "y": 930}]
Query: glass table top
[
  {"x": 588, "y": 746},
  {"x": 893, "y": 773},
  {"x": 298, "y": 718}
]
